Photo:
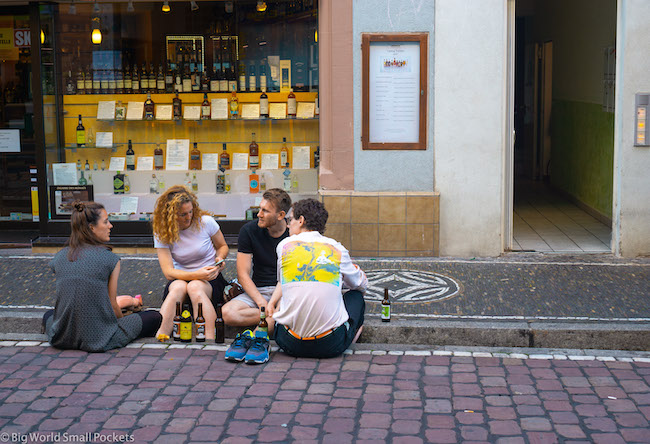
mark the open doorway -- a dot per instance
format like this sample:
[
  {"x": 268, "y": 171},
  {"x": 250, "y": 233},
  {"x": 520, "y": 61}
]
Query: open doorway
[{"x": 564, "y": 125}]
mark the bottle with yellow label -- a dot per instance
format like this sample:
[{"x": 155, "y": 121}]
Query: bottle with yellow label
[
  {"x": 81, "y": 134},
  {"x": 186, "y": 324}
]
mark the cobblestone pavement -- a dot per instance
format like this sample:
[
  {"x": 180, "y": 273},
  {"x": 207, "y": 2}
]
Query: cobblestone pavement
[{"x": 174, "y": 395}]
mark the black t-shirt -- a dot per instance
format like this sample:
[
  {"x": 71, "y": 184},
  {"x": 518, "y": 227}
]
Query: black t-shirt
[{"x": 258, "y": 242}]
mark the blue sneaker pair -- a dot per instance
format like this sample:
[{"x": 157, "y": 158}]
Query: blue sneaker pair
[{"x": 248, "y": 348}]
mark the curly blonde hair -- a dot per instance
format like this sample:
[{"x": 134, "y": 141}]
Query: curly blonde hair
[{"x": 165, "y": 215}]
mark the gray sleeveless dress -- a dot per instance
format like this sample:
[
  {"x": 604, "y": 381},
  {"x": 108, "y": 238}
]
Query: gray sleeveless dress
[{"x": 83, "y": 317}]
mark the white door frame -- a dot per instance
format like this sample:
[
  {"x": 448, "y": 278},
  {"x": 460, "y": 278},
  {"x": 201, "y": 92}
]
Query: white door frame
[{"x": 509, "y": 130}]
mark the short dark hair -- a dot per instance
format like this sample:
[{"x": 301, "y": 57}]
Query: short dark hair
[
  {"x": 279, "y": 198},
  {"x": 314, "y": 213}
]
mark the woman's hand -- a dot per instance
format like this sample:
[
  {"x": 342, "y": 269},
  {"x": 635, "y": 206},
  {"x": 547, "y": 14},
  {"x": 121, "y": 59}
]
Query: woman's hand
[
  {"x": 208, "y": 273},
  {"x": 270, "y": 309},
  {"x": 220, "y": 264}
]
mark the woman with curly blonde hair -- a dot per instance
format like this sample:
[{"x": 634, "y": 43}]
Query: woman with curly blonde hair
[{"x": 191, "y": 252}]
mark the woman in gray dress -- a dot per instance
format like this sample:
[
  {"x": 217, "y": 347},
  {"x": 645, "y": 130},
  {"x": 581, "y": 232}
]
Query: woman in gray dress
[{"x": 87, "y": 315}]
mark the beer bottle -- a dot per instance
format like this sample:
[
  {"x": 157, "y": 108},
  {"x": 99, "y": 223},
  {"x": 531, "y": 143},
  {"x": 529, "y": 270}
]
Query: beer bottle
[
  {"x": 219, "y": 327},
  {"x": 177, "y": 323},
  {"x": 385, "y": 307},
  {"x": 263, "y": 325},
  {"x": 186, "y": 324},
  {"x": 200, "y": 325}
]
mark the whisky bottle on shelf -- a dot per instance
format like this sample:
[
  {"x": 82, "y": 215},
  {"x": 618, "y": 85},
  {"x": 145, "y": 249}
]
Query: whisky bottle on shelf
[
  {"x": 95, "y": 166},
  {"x": 187, "y": 80},
  {"x": 291, "y": 105},
  {"x": 232, "y": 79},
  {"x": 130, "y": 157},
  {"x": 224, "y": 159},
  {"x": 104, "y": 81},
  {"x": 127, "y": 184},
  {"x": 223, "y": 80},
  {"x": 81, "y": 84},
  {"x": 128, "y": 85},
  {"x": 96, "y": 82},
  {"x": 234, "y": 105},
  {"x": 284, "y": 153},
  {"x": 286, "y": 181},
  {"x": 263, "y": 75},
  {"x": 88, "y": 81},
  {"x": 214, "y": 80},
  {"x": 242, "y": 77},
  {"x": 253, "y": 154},
  {"x": 205, "y": 81},
  {"x": 82, "y": 179},
  {"x": 118, "y": 183},
  {"x": 70, "y": 84},
  {"x": 160, "y": 80},
  {"x": 149, "y": 107},
  {"x": 253, "y": 182},
  {"x": 221, "y": 181},
  {"x": 90, "y": 179},
  {"x": 78, "y": 164},
  {"x": 187, "y": 182},
  {"x": 103, "y": 165},
  {"x": 153, "y": 86},
  {"x": 144, "y": 78},
  {"x": 153, "y": 185},
  {"x": 252, "y": 78},
  {"x": 112, "y": 81},
  {"x": 81, "y": 133},
  {"x": 169, "y": 79},
  {"x": 177, "y": 105},
  {"x": 195, "y": 183},
  {"x": 205, "y": 107},
  {"x": 158, "y": 160},
  {"x": 196, "y": 79},
  {"x": 264, "y": 104},
  {"x": 119, "y": 81},
  {"x": 195, "y": 158},
  {"x": 135, "y": 80},
  {"x": 87, "y": 165},
  {"x": 178, "y": 81}
]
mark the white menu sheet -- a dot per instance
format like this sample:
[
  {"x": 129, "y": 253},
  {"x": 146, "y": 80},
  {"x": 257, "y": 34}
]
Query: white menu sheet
[
  {"x": 65, "y": 174},
  {"x": 178, "y": 154},
  {"x": 277, "y": 110},
  {"x": 210, "y": 161},
  {"x": 301, "y": 155},
  {"x": 239, "y": 161},
  {"x": 9, "y": 141},
  {"x": 117, "y": 164},
  {"x": 104, "y": 140},
  {"x": 270, "y": 161},
  {"x": 305, "y": 110},
  {"x": 144, "y": 163},
  {"x": 219, "y": 109},
  {"x": 192, "y": 112},
  {"x": 129, "y": 204},
  {"x": 163, "y": 112},
  {"x": 134, "y": 111},
  {"x": 106, "y": 110},
  {"x": 250, "y": 111}
]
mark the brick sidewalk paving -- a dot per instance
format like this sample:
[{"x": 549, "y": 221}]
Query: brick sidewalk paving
[{"x": 193, "y": 395}]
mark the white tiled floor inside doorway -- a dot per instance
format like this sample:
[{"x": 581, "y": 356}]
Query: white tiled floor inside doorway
[{"x": 544, "y": 221}]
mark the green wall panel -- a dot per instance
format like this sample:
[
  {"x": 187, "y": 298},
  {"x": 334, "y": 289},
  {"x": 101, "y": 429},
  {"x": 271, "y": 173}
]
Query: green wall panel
[{"x": 582, "y": 152}]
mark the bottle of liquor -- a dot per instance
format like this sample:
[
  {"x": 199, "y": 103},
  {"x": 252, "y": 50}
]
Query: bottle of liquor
[
  {"x": 90, "y": 179},
  {"x": 78, "y": 164},
  {"x": 196, "y": 79},
  {"x": 112, "y": 81},
  {"x": 95, "y": 167},
  {"x": 128, "y": 84},
  {"x": 286, "y": 181},
  {"x": 187, "y": 183},
  {"x": 224, "y": 158},
  {"x": 262, "y": 182},
  {"x": 81, "y": 84},
  {"x": 219, "y": 327},
  {"x": 153, "y": 86},
  {"x": 178, "y": 80},
  {"x": 232, "y": 79},
  {"x": 177, "y": 105},
  {"x": 187, "y": 80},
  {"x": 234, "y": 105},
  {"x": 130, "y": 157},
  {"x": 144, "y": 78},
  {"x": 294, "y": 182},
  {"x": 149, "y": 107},
  {"x": 176, "y": 332},
  {"x": 96, "y": 81},
  {"x": 88, "y": 81},
  {"x": 185, "y": 328},
  {"x": 103, "y": 165},
  {"x": 70, "y": 84},
  {"x": 223, "y": 80},
  {"x": 104, "y": 81},
  {"x": 252, "y": 78},
  {"x": 195, "y": 158},
  {"x": 214, "y": 80},
  {"x": 263, "y": 325},
  {"x": 81, "y": 133},
  {"x": 200, "y": 325},
  {"x": 127, "y": 184},
  {"x": 263, "y": 75},
  {"x": 205, "y": 81},
  {"x": 160, "y": 80},
  {"x": 242, "y": 77},
  {"x": 254, "y": 182},
  {"x": 169, "y": 78},
  {"x": 119, "y": 81},
  {"x": 385, "y": 307},
  {"x": 317, "y": 157},
  {"x": 205, "y": 107},
  {"x": 284, "y": 153},
  {"x": 135, "y": 80},
  {"x": 158, "y": 160},
  {"x": 227, "y": 183},
  {"x": 161, "y": 184},
  {"x": 291, "y": 105},
  {"x": 118, "y": 183},
  {"x": 221, "y": 181},
  {"x": 264, "y": 104},
  {"x": 87, "y": 166},
  {"x": 153, "y": 185},
  {"x": 253, "y": 154},
  {"x": 82, "y": 179},
  {"x": 195, "y": 183}
]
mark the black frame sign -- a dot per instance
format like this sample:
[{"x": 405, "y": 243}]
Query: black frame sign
[
  {"x": 62, "y": 197},
  {"x": 394, "y": 91}
]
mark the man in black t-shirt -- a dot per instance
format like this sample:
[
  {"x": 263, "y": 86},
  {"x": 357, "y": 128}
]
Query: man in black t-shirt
[{"x": 256, "y": 251}]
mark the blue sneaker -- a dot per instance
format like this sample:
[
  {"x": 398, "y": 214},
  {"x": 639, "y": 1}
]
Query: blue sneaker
[
  {"x": 237, "y": 350},
  {"x": 258, "y": 353}
]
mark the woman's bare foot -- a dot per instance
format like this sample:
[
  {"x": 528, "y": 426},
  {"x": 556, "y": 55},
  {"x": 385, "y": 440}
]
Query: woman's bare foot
[{"x": 356, "y": 337}]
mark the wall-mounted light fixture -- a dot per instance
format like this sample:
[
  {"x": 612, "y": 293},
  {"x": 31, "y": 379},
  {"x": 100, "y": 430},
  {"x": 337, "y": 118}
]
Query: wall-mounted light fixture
[
  {"x": 165, "y": 7},
  {"x": 261, "y": 6},
  {"x": 194, "y": 6},
  {"x": 96, "y": 35},
  {"x": 42, "y": 36}
]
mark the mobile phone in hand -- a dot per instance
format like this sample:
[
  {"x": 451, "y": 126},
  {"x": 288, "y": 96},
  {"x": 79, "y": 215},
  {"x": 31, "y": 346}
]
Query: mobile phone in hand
[{"x": 219, "y": 262}]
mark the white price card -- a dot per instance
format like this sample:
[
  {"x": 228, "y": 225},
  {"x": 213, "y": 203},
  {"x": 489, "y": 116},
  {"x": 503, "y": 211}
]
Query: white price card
[
  {"x": 192, "y": 112},
  {"x": 117, "y": 164},
  {"x": 210, "y": 161},
  {"x": 104, "y": 140},
  {"x": 250, "y": 111},
  {"x": 106, "y": 110},
  {"x": 145, "y": 163},
  {"x": 270, "y": 161},
  {"x": 129, "y": 204},
  {"x": 305, "y": 110},
  {"x": 277, "y": 110},
  {"x": 163, "y": 112},
  {"x": 178, "y": 154},
  {"x": 219, "y": 109},
  {"x": 9, "y": 141},
  {"x": 65, "y": 174},
  {"x": 239, "y": 161},
  {"x": 134, "y": 111},
  {"x": 301, "y": 157}
]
